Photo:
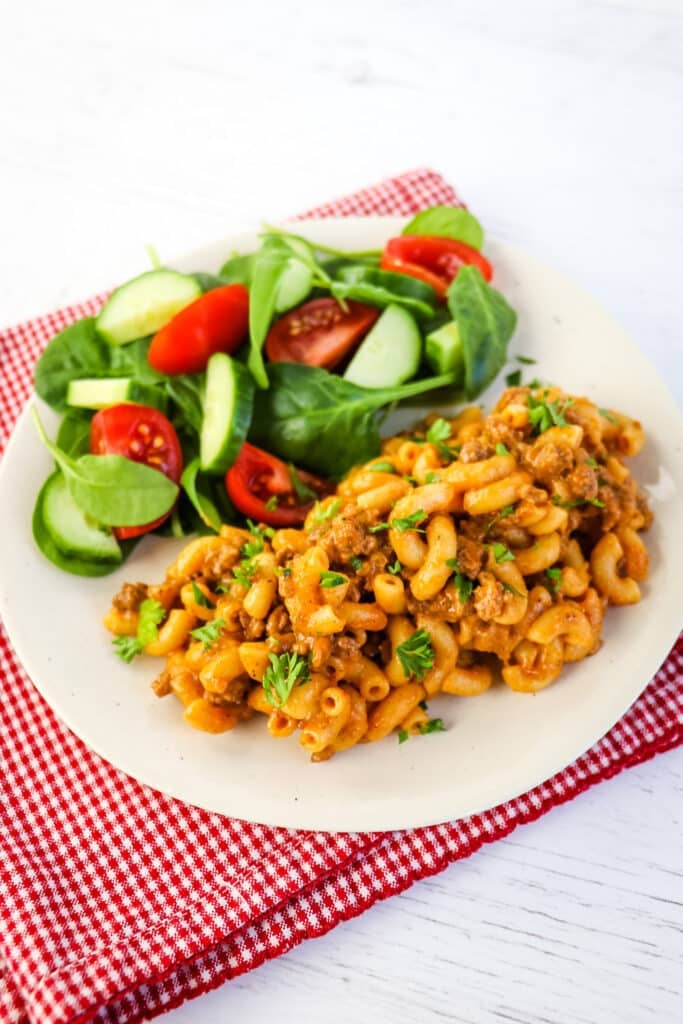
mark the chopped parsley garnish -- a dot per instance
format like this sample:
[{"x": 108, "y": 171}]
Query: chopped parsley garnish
[
  {"x": 514, "y": 379},
  {"x": 526, "y": 360},
  {"x": 271, "y": 504},
  {"x": 416, "y": 654},
  {"x": 511, "y": 590},
  {"x": 503, "y": 514},
  {"x": 283, "y": 570},
  {"x": 284, "y": 673},
  {"x": 463, "y": 584},
  {"x": 501, "y": 553},
  {"x": 576, "y": 502},
  {"x": 303, "y": 491},
  {"x": 543, "y": 414},
  {"x": 606, "y": 414},
  {"x": 439, "y": 431},
  {"x": 410, "y": 522},
  {"x": 150, "y": 614},
  {"x": 332, "y": 579},
  {"x": 433, "y": 725},
  {"x": 592, "y": 463},
  {"x": 355, "y": 563},
  {"x": 438, "y": 434},
  {"x": 395, "y": 568},
  {"x": 424, "y": 728},
  {"x": 382, "y": 467},
  {"x": 554, "y": 575},
  {"x": 321, "y": 515},
  {"x": 501, "y": 449},
  {"x": 200, "y": 597},
  {"x": 535, "y": 383},
  {"x": 243, "y": 573},
  {"x": 432, "y": 478},
  {"x": 127, "y": 647},
  {"x": 209, "y": 633}
]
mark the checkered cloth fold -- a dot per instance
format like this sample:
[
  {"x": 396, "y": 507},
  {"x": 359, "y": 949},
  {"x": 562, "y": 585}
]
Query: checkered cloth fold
[{"x": 107, "y": 909}]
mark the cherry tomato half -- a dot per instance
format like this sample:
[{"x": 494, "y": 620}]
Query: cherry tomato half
[
  {"x": 433, "y": 260},
  {"x": 258, "y": 479},
  {"x": 319, "y": 333},
  {"x": 215, "y": 322},
  {"x": 142, "y": 434}
]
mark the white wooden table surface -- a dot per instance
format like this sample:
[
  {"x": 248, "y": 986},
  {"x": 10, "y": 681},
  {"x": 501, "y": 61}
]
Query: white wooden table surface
[{"x": 560, "y": 123}]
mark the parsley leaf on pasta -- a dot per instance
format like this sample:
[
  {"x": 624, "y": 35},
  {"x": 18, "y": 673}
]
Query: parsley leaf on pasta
[
  {"x": 209, "y": 633},
  {"x": 331, "y": 579},
  {"x": 410, "y": 522},
  {"x": 321, "y": 515},
  {"x": 501, "y": 553},
  {"x": 433, "y": 725},
  {"x": 543, "y": 414},
  {"x": 416, "y": 654},
  {"x": 150, "y": 614},
  {"x": 127, "y": 647},
  {"x": 284, "y": 673},
  {"x": 200, "y": 597}
]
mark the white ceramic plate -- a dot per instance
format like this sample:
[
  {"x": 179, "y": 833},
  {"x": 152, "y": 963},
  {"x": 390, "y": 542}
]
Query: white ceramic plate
[{"x": 497, "y": 745}]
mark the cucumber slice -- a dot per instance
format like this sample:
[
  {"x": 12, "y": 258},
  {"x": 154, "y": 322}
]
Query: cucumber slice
[
  {"x": 74, "y": 534},
  {"x": 99, "y": 392},
  {"x": 389, "y": 354},
  {"x": 145, "y": 304},
  {"x": 296, "y": 281},
  {"x": 96, "y": 393},
  {"x": 443, "y": 351},
  {"x": 227, "y": 407}
]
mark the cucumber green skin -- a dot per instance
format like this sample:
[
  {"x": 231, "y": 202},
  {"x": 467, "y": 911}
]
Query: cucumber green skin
[
  {"x": 237, "y": 415},
  {"x": 119, "y": 327},
  {"x": 45, "y": 543},
  {"x": 444, "y": 352},
  {"x": 389, "y": 354}
]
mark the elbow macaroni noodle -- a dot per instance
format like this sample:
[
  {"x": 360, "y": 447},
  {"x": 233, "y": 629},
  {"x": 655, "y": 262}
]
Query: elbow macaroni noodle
[{"x": 497, "y": 560}]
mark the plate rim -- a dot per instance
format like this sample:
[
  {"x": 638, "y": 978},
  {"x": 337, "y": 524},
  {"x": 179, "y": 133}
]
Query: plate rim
[{"x": 297, "y": 818}]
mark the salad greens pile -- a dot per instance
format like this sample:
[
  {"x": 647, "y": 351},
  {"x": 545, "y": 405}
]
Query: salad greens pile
[{"x": 195, "y": 355}]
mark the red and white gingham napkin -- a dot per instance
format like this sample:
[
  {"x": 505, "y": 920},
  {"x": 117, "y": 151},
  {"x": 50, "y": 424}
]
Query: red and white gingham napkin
[{"x": 117, "y": 903}]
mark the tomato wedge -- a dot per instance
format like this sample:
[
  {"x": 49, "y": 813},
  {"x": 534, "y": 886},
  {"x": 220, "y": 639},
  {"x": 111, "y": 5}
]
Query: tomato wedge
[
  {"x": 215, "y": 322},
  {"x": 142, "y": 434},
  {"x": 260, "y": 486},
  {"x": 433, "y": 260},
  {"x": 319, "y": 333}
]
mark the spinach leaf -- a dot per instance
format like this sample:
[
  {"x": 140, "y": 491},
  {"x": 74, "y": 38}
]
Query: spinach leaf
[
  {"x": 270, "y": 262},
  {"x": 73, "y": 436},
  {"x": 383, "y": 288},
  {"x": 75, "y": 352},
  {"x": 45, "y": 543},
  {"x": 131, "y": 361},
  {"x": 192, "y": 484},
  {"x": 486, "y": 323},
  {"x": 207, "y": 282},
  {"x": 185, "y": 391},
  {"x": 78, "y": 352},
  {"x": 312, "y": 418},
  {"x": 112, "y": 490},
  {"x": 447, "y": 222},
  {"x": 237, "y": 270}
]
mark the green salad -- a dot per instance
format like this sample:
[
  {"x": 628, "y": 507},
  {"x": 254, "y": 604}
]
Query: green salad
[{"x": 193, "y": 400}]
